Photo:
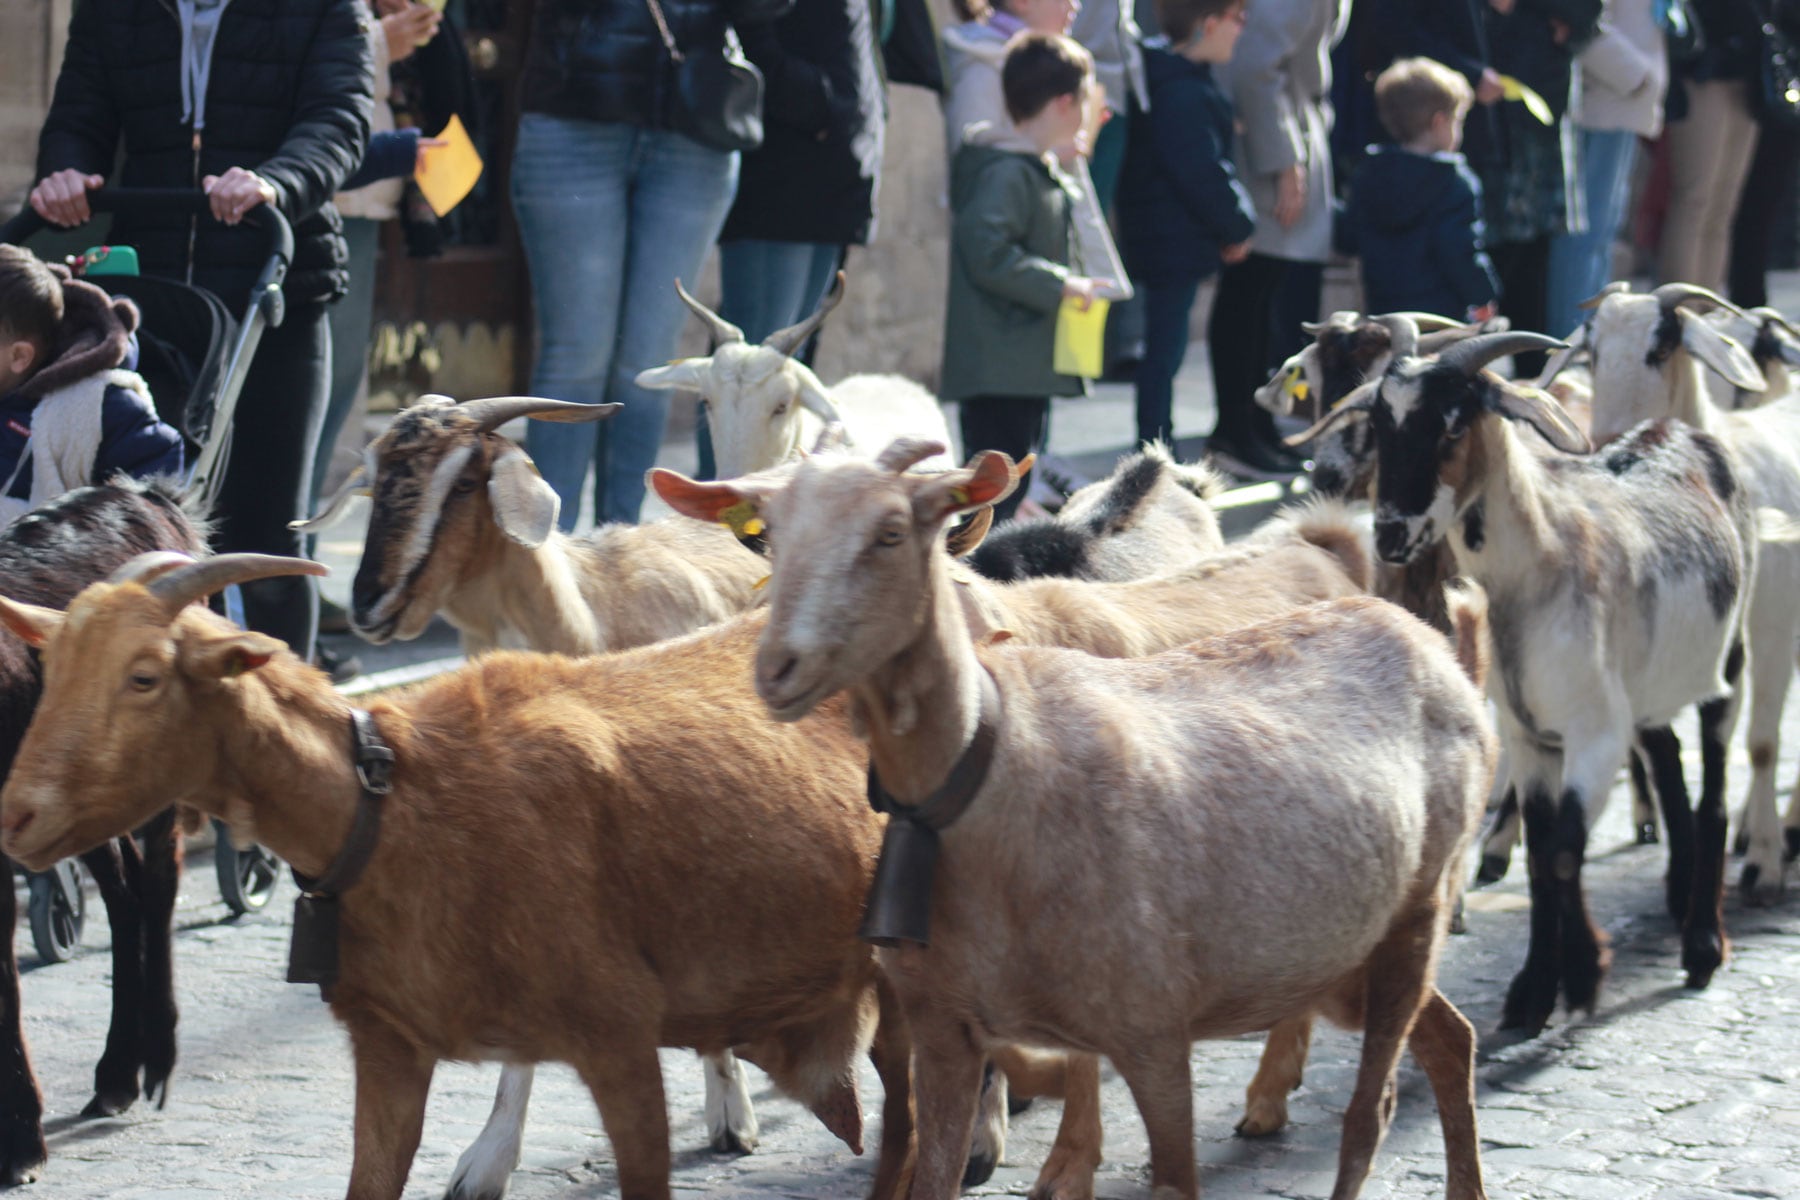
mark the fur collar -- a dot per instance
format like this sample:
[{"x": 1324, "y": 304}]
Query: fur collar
[{"x": 96, "y": 337}]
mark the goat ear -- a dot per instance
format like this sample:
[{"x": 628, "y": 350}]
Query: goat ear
[
  {"x": 525, "y": 507},
  {"x": 812, "y": 395},
  {"x": 229, "y": 656},
  {"x": 721, "y": 503},
  {"x": 34, "y": 624},
  {"x": 1541, "y": 411},
  {"x": 1720, "y": 351},
  {"x": 684, "y": 373},
  {"x": 1360, "y": 400},
  {"x": 988, "y": 479},
  {"x": 965, "y": 537}
]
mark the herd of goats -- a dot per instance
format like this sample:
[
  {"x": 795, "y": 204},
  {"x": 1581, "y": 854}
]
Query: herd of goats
[{"x": 824, "y": 766}]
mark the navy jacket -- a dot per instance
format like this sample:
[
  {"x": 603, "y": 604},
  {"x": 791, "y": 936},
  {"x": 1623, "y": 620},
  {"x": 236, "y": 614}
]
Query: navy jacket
[
  {"x": 133, "y": 439},
  {"x": 393, "y": 154},
  {"x": 1415, "y": 221},
  {"x": 1179, "y": 200}
]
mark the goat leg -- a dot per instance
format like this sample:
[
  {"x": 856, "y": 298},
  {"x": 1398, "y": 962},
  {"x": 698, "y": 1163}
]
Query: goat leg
[
  {"x": 484, "y": 1168},
  {"x": 1662, "y": 756},
  {"x": 1162, "y": 1085},
  {"x": 1279, "y": 1072},
  {"x": 118, "y": 872},
  {"x": 946, "y": 1087},
  {"x": 1531, "y": 998},
  {"x": 22, "y": 1150},
  {"x": 627, "y": 1085},
  {"x": 987, "y": 1145},
  {"x": 1443, "y": 1041},
  {"x": 1068, "y": 1174},
  {"x": 891, "y": 1052},
  {"x": 393, "y": 1080},
  {"x": 162, "y": 883},
  {"x": 1704, "y": 945}
]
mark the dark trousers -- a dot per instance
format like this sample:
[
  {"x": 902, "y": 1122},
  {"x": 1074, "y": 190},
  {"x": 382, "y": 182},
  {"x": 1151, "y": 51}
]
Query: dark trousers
[
  {"x": 268, "y": 476},
  {"x": 1770, "y": 182},
  {"x": 1014, "y": 425},
  {"x": 1237, "y": 334},
  {"x": 1524, "y": 271},
  {"x": 1167, "y": 312}
]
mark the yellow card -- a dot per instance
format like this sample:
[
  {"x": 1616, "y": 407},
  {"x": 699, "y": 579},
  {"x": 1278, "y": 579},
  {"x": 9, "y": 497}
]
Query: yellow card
[
  {"x": 1534, "y": 104},
  {"x": 449, "y": 171},
  {"x": 1081, "y": 339}
]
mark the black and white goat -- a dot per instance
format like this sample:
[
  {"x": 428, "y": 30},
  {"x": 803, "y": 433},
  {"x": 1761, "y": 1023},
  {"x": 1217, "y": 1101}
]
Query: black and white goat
[
  {"x": 1617, "y": 585},
  {"x": 46, "y": 557}
]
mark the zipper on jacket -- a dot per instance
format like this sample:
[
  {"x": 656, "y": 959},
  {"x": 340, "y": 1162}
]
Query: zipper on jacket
[{"x": 194, "y": 146}]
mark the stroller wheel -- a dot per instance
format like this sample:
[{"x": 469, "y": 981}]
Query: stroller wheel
[
  {"x": 58, "y": 910},
  {"x": 247, "y": 878}
]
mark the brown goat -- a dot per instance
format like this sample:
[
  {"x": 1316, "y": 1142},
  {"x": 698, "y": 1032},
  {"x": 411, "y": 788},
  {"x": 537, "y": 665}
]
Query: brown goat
[{"x": 520, "y": 783}]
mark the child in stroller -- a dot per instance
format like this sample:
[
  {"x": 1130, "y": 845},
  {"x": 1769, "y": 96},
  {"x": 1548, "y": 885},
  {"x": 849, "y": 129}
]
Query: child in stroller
[{"x": 72, "y": 409}]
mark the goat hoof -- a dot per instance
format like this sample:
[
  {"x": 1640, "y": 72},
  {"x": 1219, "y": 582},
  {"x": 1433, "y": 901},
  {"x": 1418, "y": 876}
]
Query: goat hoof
[
  {"x": 1018, "y": 1104},
  {"x": 111, "y": 1103},
  {"x": 731, "y": 1142},
  {"x": 1675, "y": 895},
  {"x": 1262, "y": 1118},
  {"x": 980, "y": 1170},
  {"x": 1702, "y": 953},
  {"x": 22, "y": 1160},
  {"x": 1492, "y": 869},
  {"x": 1648, "y": 835},
  {"x": 1530, "y": 1001}
]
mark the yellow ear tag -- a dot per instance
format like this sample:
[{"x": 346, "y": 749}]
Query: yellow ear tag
[
  {"x": 741, "y": 519},
  {"x": 960, "y": 496},
  {"x": 760, "y": 584}
]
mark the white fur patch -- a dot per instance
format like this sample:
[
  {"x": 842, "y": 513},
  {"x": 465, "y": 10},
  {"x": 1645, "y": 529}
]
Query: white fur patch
[{"x": 492, "y": 1157}]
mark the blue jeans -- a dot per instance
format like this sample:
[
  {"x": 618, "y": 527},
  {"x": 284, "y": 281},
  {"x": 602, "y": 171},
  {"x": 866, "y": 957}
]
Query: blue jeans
[
  {"x": 610, "y": 216},
  {"x": 1581, "y": 263},
  {"x": 1166, "y": 310},
  {"x": 767, "y": 286}
]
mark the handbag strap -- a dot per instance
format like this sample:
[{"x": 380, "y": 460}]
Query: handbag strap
[{"x": 662, "y": 27}]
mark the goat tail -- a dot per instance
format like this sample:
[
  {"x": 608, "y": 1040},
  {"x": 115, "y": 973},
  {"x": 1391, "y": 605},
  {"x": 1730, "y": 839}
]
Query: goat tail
[
  {"x": 1328, "y": 525},
  {"x": 1197, "y": 479},
  {"x": 1468, "y": 605}
]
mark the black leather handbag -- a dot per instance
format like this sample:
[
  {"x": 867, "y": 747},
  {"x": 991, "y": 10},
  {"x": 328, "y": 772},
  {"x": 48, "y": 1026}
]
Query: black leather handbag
[
  {"x": 1775, "y": 92},
  {"x": 719, "y": 96}
]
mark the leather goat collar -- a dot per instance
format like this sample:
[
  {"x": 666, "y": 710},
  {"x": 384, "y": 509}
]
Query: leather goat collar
[
  {"x": 313, "y": 950},
  {"x": 898, "y": 910}
]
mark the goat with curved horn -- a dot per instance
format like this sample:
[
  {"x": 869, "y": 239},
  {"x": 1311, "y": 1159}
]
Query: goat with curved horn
[
  {"x": 491, "y": 413},
  {"x": 149, "y": 566},
  {"x": 1403, "y": 333},
  {"x": 1477, "y": 352},
  {"x": 196, "y": 580},
  {"x": 793, "y": 337},
  {"x": 1617, "y": 287},
  {"x": 723, "y": 331},
  {"x": 1679, "y": 295}
]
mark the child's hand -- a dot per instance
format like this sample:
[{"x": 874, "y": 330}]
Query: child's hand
[
  {"x": 1237, "y": 253},
  {"x": 1083, "y": 290}
]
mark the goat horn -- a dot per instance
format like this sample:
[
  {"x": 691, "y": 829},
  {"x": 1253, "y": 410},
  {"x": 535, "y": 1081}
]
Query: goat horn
[
  {"x": 723, "y": 331},
  {"x": 353, "y": 485},
  {"x": 146, "y": 567},
  {"x": 1477, "y": 352},
  {"x": 794, "y": 336},
  {"x": 1678, "y": 295},
  {"x": 496, "y": 411},
  {"x": 1426, "y": 322},
  {"x": 907, "y": 452},
  {"x": 1617, "y": 287},
  {"x": 1403, "y": 334},
  {"x": 196, "y": 580},
  {"x": 1767, "y": 315}
]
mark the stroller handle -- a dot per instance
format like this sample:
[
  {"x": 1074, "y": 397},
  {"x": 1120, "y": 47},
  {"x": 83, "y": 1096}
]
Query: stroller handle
[{"x": 266, "y": 217}]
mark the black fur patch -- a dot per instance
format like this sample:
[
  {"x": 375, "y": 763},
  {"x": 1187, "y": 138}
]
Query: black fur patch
[
  {"x": 1032, "y": 550},
  {"x": 1475, "y": 526},
  {"x": 1718, "y": 467},
  {"x": 1131, "y": 484}
]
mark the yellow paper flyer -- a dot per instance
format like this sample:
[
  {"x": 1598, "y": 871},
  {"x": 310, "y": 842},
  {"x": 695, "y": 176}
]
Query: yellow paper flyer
[{"x": 448, "y": 172}]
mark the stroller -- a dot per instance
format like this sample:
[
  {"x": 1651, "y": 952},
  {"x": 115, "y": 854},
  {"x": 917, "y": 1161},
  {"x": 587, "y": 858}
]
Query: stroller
[{"x": 194, "y": 355}]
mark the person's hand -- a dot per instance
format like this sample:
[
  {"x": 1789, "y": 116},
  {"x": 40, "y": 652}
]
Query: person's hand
[
  {"x": 236, "y": 192},
  {"x": 1236, "y": 253},
  {"x": 1560, "y": 32},
  {"x": 1503, "y": 7},
  {"x": 1290, "y": 195},
  {"x": 1484, "y": 314},
  {"x": 425, "y": 144},
  {"x": 1084, "y": 291},
  {"x": 61, "y": 198},
  {"x": 1488, "y": 88},
  {"x": 409, "y": 27}
]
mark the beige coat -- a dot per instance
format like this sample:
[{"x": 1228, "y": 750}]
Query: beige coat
[
  {"x": 378, "y": 201},
  {"x": 1624, "y": 72}
]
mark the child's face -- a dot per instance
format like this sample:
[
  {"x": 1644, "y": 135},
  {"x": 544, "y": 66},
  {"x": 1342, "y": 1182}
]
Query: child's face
[
  {"x": 18, "y": 356},
  {"x": 1216, "y": 38},
  {"x": 1070, "y": 114},
  {"x": 1447, "y": 131},
  {"x": 1045, "y": 16}
]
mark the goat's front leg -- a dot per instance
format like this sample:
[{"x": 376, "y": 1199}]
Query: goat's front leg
[
  {"x": 1279, "y": 1072},
  {"x": 118, "y": 872},
  {"x": 1502, "y": 836},
  {"x": 1704, "y": 945},
  {"x": 162, "y": 885},
  {"x": 393, "y": 1079},
  {"x": 627, "y": 1085},
  {"x": 1531, "y": 997},
  {"x": 946, "y": 1086},
  {"x": 891, "y": 1052},
  {"x": 988, "y": 1143},
  {"x": 22, "y": 1150},
  {"x": 1592, "y": 757},
  {"x": 1661, "y": 751},
  {"x": 730, "y": 1117},
  {"x": 1068, "y": 1174},
  {"x": 485, "y": 1167},
  {"x": 1162, "y": 1084}
]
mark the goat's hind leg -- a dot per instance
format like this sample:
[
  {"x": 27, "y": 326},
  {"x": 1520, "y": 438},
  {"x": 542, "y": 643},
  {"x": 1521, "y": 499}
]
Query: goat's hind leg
[
  {"x": 118, "y": 871},
  {"x": 731, "y": 1126},
  {"x": 22, "y": 1151},
  {"x": 626, "y": 1081},
  {"x": 1704, "y": 945},
  {"x": 162, "y": 884},
  {"x": 1277, "y": 1074},
  {"x": 1502, "y": 836},
  {"x": 485, "y": 1167},
  {"x": 1068, "y": 1173},
  {"x": 1161, "y": 1082},
  {"x": 1760, "y": 828},
  {"x": 891, "y": 1052},
  {"x": 1443, "y": 1042}
]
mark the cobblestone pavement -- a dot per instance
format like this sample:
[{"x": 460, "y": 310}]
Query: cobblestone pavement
[{"x": 1664, "y": 1094}]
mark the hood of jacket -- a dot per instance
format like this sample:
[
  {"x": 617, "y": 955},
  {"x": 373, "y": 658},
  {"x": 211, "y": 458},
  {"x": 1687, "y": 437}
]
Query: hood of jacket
[
  {"x": 96, "y": 337},
  {"x": 976, "y": 157},
  {"x": 975, "y": 39},
  {"x": 1396, "y": 190}
]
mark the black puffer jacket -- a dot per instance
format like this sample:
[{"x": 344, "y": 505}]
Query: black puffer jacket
[
  {"x": 603, "y": 60},
  {"x": 290, "y": 95}
]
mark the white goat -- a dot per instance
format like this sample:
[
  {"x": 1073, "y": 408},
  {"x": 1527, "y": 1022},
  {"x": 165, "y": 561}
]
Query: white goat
[
  {"x": 1350, "y": 718},
  {"x": 1617, "y": 584},
  {"x": 1650, "y": 358},
  {"x": 764, "y": 405}
]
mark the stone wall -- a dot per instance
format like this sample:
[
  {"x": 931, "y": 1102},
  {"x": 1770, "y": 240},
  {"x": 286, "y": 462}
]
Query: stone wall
[{"x": 32, "y": 33}]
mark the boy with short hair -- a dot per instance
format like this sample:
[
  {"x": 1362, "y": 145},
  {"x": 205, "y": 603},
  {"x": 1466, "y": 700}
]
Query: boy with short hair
[
  {"x": 1414, "y": 212},
  {"x": 1181, "y": 210},
  {"x": 69, "y": 415},
  {"x": 1013, "y": 255}
]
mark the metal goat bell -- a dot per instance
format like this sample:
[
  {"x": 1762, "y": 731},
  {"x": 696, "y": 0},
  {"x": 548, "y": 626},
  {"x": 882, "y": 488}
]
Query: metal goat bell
[
  {"x": 899, "y": 906},
  {"x": 313, "y": 950}
]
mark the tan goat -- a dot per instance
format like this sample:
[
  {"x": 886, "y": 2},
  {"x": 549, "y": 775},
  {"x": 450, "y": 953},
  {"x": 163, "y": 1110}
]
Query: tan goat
[
  {"x": 604, "y": 788},
  {"x": 1108, "y": 885}
]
